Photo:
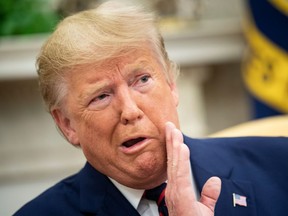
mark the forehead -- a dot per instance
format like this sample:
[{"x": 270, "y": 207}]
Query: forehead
[
  {"x": 124, "y": 62},
  {"x": 131, "y": 58}
]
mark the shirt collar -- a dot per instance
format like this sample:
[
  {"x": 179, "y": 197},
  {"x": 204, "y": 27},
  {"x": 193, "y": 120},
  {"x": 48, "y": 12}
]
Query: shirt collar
[{"x": 132, "y": 195}]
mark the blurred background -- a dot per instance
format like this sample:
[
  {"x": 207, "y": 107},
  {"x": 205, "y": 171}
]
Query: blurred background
[{"x": 205, "y": 37}]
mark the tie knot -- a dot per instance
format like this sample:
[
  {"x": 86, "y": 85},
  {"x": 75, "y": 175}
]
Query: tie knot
[{"x": 157, "y": 194}]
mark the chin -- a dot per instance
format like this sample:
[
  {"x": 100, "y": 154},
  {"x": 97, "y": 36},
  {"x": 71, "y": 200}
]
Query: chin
[
  {"x": 156, "y": 180},
  {"x": 148, "y": 182},
  {"x": 151, "y": 175},
  {"x": 151, "y": 163}
]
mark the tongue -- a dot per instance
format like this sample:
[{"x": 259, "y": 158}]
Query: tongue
[{"x": 132, "y": 142}]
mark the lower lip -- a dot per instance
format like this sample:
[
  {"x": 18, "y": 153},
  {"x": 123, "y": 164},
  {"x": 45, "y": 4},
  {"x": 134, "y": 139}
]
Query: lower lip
[{"x": 135, "y": 148}]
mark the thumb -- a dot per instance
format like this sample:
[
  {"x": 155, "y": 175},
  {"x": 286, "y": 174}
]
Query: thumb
[{"x": 210, "y": 192}]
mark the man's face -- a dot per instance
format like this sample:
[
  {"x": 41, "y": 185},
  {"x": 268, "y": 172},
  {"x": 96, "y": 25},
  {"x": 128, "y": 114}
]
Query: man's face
[{"x": 117, "y": 113}]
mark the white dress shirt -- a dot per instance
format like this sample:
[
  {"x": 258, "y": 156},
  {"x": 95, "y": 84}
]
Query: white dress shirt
[
  {"x": 134, "y": 196},
  {"x": 143, "y": 206}
]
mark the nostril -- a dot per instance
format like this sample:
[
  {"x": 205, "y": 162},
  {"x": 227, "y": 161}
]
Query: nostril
[
  {"x": 125, "y": 121},
  {"x": 131, "y": 115}
]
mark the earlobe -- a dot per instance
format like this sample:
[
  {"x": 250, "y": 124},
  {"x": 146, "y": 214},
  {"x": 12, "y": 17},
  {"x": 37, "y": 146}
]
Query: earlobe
[{"x": 64, "y": 124}]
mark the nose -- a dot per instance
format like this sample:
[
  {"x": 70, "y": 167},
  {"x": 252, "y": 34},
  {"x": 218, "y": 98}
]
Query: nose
[{"x": 129, "y": 109}]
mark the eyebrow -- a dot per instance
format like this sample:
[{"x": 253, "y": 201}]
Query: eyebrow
[
  {"x": 138, "y": 66},
  {"x": 98, "y": 84},
  {"x": 93, "y": 88}
]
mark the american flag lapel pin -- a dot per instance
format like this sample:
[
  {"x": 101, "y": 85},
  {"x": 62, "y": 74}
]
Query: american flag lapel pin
[{"x": 239, "y": 200}]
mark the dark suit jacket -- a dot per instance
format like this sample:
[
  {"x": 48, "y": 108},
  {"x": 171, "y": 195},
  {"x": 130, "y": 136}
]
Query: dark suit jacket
[{"x": 253, "y": 167}]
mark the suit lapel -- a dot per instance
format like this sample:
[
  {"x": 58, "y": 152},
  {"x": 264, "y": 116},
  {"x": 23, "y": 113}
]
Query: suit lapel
[
  {"x": 206, "y": 163},
  {"x": 229, "y": 186},
  {"x": 226, "y": 203},
  {"x": 99, "y": 196},
  {"x": 116, "y": 204}
]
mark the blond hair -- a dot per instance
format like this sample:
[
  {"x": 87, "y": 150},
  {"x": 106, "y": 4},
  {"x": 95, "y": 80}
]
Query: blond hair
[{"x": 92, "y": 36}]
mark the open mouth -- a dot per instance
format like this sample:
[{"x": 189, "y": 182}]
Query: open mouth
[{"x": 133, "y": 142}]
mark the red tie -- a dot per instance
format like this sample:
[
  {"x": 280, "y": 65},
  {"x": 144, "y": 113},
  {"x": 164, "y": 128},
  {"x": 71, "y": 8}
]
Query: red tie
[{"x": 158, "y": 194}]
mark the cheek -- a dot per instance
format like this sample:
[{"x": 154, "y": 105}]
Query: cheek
[
  {"x": 94, "y": 141},
  {"x": 96, "y": 128},
  {"x": 89, "y": 130},
  {"x": 162, "y": 109},
  {"x": 96, "y": 122}
]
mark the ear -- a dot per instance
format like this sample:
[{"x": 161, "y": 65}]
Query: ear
[
  {"x": 174, "y": 92},
  {"x": 64, "y": 124}
]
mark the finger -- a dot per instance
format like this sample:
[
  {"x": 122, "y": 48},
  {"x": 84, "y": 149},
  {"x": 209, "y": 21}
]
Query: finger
[
  {"x": 177, "y": 141},
  {"x": 168, "y": 135},
  {"x": 169, "y": 127},
  {"x": 174, "y": 149},
  {"x": 210, "y": 193},
  {"x": 184, "y": 175},
  {"x": 180, "y": 196}
]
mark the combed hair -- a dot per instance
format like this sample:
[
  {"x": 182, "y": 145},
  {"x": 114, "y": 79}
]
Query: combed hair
[{"x": 93, "y": 36}]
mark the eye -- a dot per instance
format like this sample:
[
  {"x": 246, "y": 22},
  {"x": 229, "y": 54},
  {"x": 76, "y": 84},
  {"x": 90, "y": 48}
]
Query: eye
[
  {"x": 144, "y": 78},
  {"x": 143, "y": 83},
  {"x": 100, "y": 102},
  {"x": 101, "y": 97}
]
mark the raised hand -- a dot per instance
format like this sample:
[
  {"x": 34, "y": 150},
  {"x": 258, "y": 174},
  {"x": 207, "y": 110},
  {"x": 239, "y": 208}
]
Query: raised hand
[{"x": 180, "y": 195}]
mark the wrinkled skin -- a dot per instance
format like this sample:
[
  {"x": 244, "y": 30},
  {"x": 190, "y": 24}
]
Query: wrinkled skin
[
  {"x": 124, "y": 99},
  {"x": 117, "y": 113}
]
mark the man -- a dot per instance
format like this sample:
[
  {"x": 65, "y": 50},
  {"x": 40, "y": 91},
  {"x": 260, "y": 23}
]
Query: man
[{"x": 110, "y": 87}]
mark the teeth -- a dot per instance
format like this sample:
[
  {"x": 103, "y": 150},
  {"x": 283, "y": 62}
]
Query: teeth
[{"x": 132, "y": 142}]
